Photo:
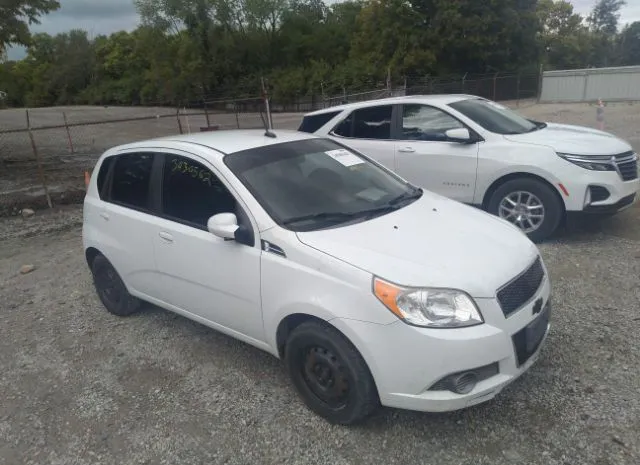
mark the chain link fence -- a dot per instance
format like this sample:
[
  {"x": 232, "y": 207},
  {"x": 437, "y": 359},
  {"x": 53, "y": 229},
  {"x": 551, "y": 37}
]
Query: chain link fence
[{"x": 44, "y": 152}]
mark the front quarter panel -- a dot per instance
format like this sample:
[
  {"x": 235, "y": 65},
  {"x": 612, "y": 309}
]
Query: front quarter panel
[
  {"x": 310, "y": 282},
  {"x": 500, "y": 158}
]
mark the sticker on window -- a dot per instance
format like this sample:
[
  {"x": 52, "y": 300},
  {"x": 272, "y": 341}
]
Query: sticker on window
[{"x": 345, "y": 157}]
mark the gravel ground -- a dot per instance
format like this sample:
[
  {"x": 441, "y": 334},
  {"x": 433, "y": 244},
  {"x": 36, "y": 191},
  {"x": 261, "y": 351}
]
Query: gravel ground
[{"x": 80, "y": 386}]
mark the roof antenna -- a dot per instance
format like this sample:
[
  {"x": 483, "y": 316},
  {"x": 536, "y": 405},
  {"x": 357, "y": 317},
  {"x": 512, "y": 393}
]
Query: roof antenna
[{"x": 269, "y": 122}]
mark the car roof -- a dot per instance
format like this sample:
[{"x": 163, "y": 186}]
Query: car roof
[
  {"x": 226, "y": 141},
  {"x": 442, "y": 99}
]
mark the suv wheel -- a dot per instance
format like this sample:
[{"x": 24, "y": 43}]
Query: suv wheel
[
  {"x": 111, "y": 289},
  {"x": 330, "y": 374},
  {"x": 529, "y": 204}
]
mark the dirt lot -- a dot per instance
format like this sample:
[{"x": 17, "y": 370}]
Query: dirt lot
[
  {"x": 83, "y": 387},
  {"x": 80, "y": 386}
]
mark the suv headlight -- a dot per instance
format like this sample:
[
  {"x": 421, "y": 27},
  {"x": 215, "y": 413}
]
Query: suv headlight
[
  {"x": 594, "y": 163},
  {"x": 428, "y": 307}
]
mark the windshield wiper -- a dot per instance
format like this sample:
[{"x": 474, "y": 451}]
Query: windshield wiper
[
  {"x": 414, "y": 194},
  {"x": 393, "y": 204},
  {"x": 346, "y": 216},
  {"x": 329, "y": 216}
]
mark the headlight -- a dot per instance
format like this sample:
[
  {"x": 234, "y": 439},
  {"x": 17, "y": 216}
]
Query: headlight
[
  {"x": 595, "y": 163},
  {"x": 433, "y": 308}
]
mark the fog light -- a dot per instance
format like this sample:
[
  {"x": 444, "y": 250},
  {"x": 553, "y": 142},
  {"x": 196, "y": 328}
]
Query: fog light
[{"x": 464, "y": 383}]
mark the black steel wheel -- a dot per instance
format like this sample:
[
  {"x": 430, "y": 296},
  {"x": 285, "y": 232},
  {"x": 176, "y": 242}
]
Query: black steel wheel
[
  {"x": 111, "y": 289},
  {"x": 330, "y": 374}
]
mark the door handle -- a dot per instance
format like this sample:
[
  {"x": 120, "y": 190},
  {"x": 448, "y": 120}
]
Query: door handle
[
  {"x": 165, "y": 236},
  {"x": 104, "y": 216},
  {"x": 406, "y": 150}
]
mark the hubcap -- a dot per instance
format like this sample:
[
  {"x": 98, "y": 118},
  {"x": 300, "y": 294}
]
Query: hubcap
[
  {"x": 108, "y": 286},
  {"x": 523, "y": 209},
  {"x": 325, "y": 376}
]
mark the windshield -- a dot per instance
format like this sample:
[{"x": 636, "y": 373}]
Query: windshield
[
  {"x": 495, "y": 117},
  {"x": 316, "y": 183}
]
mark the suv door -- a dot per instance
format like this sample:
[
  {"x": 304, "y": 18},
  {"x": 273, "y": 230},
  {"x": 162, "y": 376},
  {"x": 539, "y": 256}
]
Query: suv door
[
  {"x": 125, "y": 220},
  {"x": 369, "y": 130},
  {"x": 425, "y": 157},
  {"x": 203, "y": 275}
]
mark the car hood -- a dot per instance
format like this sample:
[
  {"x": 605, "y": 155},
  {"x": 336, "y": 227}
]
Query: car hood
[
  {"x": 433, "y": 242},
  {"x": 578, "y": 140}
]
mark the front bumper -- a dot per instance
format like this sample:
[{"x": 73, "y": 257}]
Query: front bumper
[
  {"x": 607, "y": 209},
  {"x": 407, "y": 361},
  {"x": 621, "y": 194}
]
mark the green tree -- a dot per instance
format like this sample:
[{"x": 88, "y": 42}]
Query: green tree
[
  {"x": 605, "y": 16},
  {"x": 565, "y": 40},
  {"x": 17, "y": 15},
  {"x": 630, "y": 45},
  {"x": 603, "y": 22}
]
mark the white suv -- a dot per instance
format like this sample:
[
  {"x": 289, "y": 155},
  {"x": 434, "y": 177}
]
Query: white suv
[
  {"x": 481, "y": 153},
  {"x": 372, "y": 290}
]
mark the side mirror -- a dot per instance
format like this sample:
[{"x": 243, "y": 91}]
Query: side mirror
[
  {"x": 461, "y": 135},
  {"x": 223, "y": 225}
]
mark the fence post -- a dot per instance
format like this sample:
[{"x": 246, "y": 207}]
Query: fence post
[
  {"x": 206, "y": 112},
  {"x": 235, "y": 108},
  {"x": 43, "y": 178},
  {"x": 540, "y": 82},
  {"x": 495, "y": 82},
  {"x": 66, "y": 126},
  {"x": 464, "y": 78},
  {"x": 518, "y": 90},
  {"x": 178, "y": 119}
]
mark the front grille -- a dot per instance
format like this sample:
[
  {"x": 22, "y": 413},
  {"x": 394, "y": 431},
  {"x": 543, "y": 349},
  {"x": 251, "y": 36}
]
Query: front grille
[
  {"x": 627, "y": 166},
  {"x": 519, "y": 291}
]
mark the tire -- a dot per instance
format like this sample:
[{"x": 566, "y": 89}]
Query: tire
[
  {"x": 111, "y": 289},
  {"x": 339, "y": 386},
  {"x": 552, "y": 208}
]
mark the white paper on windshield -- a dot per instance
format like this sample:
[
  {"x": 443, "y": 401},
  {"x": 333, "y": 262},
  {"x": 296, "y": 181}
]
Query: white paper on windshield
[
  {"x": 345, "y": 157},
  {"x": 372, "y": 194}
]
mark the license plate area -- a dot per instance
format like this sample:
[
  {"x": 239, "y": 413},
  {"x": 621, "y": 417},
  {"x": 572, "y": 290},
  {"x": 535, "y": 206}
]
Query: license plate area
[{"x": 528, "y": 339}]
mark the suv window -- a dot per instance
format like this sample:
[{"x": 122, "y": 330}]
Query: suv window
[
  {"x": 422, "y": 122},
  {"x": 315, "y": 122},
  {"x": 191, "y": 193},
  {"x": 367, "y": 123},
  {"x": 131, "y": 180}
]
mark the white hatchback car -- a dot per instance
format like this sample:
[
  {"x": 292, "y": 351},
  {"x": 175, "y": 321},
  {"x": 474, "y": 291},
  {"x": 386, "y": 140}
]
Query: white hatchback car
[
  {"x": 372, "y": 290},
  {"x": 481, "y": 153}
]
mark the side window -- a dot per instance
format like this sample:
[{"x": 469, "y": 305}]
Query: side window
[
  {"x": 131, "y": 179},
  {"x": 422, "y": 122},
  {"x": 192, "y": 194},
  {"x": 344, "y": 128},
  {"x": 315, "y": 122},
  {"x": 373, "y": 123}
]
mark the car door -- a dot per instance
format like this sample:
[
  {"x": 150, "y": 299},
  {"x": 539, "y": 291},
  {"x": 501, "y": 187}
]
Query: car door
[
  {"x": 204, "y": 275},
  {"x": 126, "y": 220},
  {"x": 368, "y": 130},
  {"x": 425, "y": 156}
]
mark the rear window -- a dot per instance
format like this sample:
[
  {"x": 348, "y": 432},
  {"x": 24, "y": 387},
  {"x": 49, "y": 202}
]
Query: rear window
[
  {"x": 314, "y": 122},
  {"x": 102, "y": 175},
  {"x": 367, "y": 123},
  {"x": 131, "y": 180}
]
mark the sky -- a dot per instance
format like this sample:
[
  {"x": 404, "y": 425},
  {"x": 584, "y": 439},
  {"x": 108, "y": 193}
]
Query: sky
[{"x": 107, "y": 16}]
